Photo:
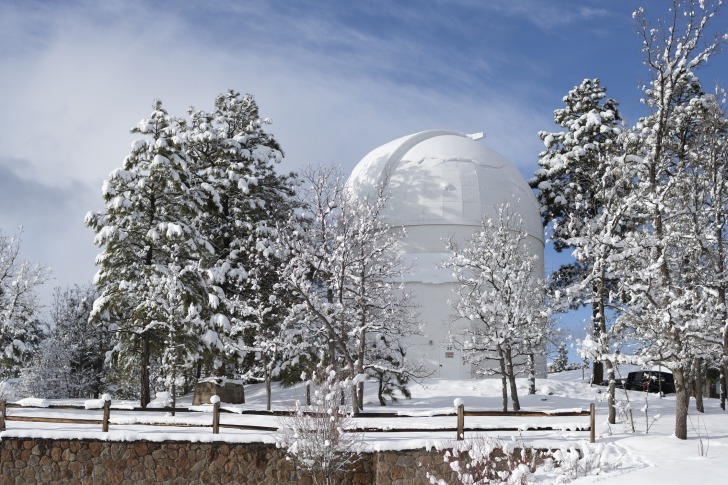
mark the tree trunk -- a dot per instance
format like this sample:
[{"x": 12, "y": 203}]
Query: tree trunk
[
  {"x": 598, "y": 369},
  {"x": 681, "y": 408},
  {"x": 724, "y": 367},
  {"x": 512, "y": 380},
  {"x": 612, "y": 411},
  {"x": 354, "y": 399},
  {"x": 332, "y": 351},
  {"x": 144, "y": 375},
  {"x": 380, "y": 391},
  {"x": 688, "y": 380},
  {"x": 361, "y": 351},
  {"x": 698, "y": 380},
  {"x": 267, "y": 387},
  {"x": 504, "y": 384},
  {"x": 174, "y": 387},
  {"x": 362, "y": 347},
  {"x": 531, "y": 374},
  {"x": 360, "y": 395},
  {"x": 723, "y": 386}
]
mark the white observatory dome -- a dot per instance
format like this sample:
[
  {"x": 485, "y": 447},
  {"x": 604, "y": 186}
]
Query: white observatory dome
[{"x": 441, "y": 184}]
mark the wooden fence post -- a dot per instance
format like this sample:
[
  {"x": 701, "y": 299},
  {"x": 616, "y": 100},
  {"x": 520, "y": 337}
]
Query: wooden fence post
[
  {"x": 107, "y": 414},
  {"x": 2, "y": 415},
  {"x": 216, "y": 417},
  {"x": 461, "y": 422},
  {"x": 592, "y": 422}
]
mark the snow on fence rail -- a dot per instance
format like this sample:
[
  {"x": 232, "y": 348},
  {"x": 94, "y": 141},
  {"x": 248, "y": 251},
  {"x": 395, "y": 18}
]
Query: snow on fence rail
[{"x": 460, "y": 414}]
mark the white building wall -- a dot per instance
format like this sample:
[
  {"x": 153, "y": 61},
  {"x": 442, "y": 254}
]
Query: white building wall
[{"x": 441, "y": 185}]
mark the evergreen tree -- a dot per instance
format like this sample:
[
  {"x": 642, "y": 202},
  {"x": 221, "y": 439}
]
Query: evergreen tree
[
  {"x": 70, "y": 362},
  {"x": 561, "y": 361},
  {"x": 152, "y": 284},
  {"x": 233, "y": 161},
  {"x": 573, "y": 186},
  {"x": 385, "y": 355}
]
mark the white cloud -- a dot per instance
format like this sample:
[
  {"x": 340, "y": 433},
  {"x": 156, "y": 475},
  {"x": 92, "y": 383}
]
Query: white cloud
[
  {"x": 545, "y": 15},
  {"x": 81, "y": 92},
  {"x": 73, "y": 80}
]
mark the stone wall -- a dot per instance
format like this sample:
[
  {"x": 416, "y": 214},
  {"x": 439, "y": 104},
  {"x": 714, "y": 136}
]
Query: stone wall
[{"x": 41, "y": 461}]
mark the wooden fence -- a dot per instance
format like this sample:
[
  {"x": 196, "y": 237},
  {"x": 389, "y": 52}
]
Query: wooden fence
[{"x": 459, "y": 429}]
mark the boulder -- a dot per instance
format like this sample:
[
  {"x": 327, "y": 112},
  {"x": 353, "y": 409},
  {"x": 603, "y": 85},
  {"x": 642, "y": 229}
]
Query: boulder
[{"x": 229, "y": 392}]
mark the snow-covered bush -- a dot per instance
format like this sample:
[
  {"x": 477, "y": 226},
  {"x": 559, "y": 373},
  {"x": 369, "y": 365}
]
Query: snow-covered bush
[
  {"x": 7, "y": 390},
  {"x": 314, "y": 436},
  {"x": 570, "y": 463},
  {"x": 485, "y": 460}
]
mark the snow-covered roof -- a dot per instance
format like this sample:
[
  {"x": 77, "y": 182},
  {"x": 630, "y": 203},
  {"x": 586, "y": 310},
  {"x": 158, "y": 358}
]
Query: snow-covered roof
[{"x": 439, "y": 177}]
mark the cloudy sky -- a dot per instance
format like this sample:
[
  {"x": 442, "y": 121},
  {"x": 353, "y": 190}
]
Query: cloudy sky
[{"x": 337, "y": 78}]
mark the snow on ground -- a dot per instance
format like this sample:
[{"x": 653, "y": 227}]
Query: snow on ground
[{"x": 653, "y": 456}]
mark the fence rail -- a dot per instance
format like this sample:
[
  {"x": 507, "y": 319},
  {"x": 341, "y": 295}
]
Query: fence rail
[{"x": 459, "y": 429}]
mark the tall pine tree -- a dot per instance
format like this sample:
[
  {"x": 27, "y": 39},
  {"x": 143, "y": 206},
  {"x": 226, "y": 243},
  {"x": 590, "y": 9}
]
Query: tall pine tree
[
  {"x": 233, "y": 161},
  {"x": 573, "y": 185},
  {"x": 150, "y": 274}
]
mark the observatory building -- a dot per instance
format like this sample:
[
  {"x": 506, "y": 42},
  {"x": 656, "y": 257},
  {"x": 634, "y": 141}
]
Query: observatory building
[{"x": 441, "y": 184}]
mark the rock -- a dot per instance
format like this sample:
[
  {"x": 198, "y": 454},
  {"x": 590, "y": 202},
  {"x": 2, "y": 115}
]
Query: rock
[{"x": 229, "y": 392}]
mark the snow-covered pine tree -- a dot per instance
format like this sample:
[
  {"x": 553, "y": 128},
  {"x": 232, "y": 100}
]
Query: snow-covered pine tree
[
  {"x": 664, "y": 297},
  {"x": 500, "y": 295},
  {"x": 383, "y": 356},
  {"x": 20, "y": 330},
  {"x": 70, "y": 362},
  {"x": 233, "y": 161},
  {"x": 573, "y": 183},
  {"x": 267, "y": 305},
  {"x": 561, "y": 361},
  {"x": 151, "y": 282}
]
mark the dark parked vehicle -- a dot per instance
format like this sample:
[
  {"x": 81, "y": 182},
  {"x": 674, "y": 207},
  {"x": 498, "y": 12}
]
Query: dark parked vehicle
[{"x": 650, "y": 381}]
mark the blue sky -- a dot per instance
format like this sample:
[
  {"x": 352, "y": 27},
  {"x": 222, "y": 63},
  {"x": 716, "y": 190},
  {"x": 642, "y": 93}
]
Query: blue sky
[{"x": 337, "y": 78}]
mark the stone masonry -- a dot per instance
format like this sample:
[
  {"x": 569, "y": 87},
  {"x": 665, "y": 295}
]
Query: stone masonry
[{"x": 46, "y": 461}]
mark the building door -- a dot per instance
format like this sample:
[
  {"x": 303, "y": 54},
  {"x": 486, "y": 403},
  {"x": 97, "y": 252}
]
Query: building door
[{"x": 451, "y": 362}]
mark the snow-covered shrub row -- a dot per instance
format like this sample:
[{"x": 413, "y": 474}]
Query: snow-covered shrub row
[{"x": 485, "y": 460}]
